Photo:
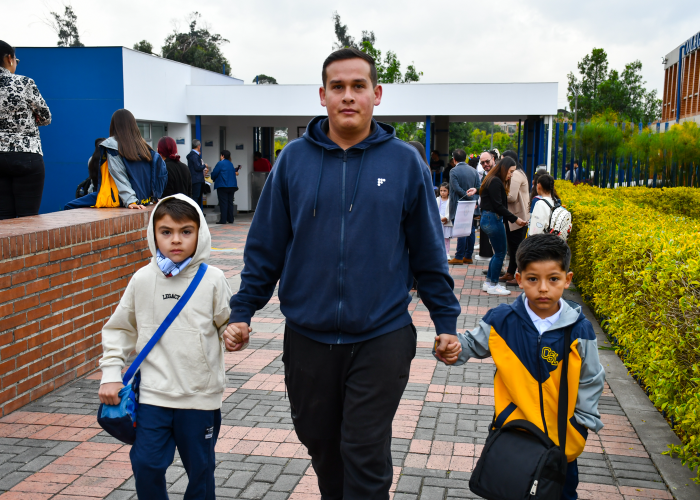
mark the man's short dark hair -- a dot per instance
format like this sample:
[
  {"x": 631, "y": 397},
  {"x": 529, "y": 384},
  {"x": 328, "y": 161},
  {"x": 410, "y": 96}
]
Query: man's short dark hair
[
  {"x": 459, "y": 155},
  {"x": 543, "y": 247},
  {"x": 257, "y": 155},
  {"x": 350, "y": 53},
  {"x": 178, "y": 210},
  {"x": 226, "y": 154}
]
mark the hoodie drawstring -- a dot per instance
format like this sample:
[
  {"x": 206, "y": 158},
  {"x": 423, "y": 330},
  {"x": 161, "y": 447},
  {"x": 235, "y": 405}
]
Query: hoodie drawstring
[
  {"x": 318, "y": 184},
  {"x": 357, "y": 182}
]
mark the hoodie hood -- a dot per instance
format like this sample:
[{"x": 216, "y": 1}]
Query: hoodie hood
[
  {"x": 317, "y": 133},
  {"x": 110, "y": 143},
  {"x": 203, "y": 238}
]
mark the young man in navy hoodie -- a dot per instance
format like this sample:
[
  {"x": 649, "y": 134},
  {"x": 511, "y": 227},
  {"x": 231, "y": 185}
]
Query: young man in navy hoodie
[{"x": 347, "y": 214}]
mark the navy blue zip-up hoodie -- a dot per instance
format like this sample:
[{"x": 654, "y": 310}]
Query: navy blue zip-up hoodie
[{"x": 340, "y": 230}]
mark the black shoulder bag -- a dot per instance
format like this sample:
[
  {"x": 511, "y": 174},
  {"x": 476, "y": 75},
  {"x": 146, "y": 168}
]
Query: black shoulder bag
[{"x": 519, "y": 461}]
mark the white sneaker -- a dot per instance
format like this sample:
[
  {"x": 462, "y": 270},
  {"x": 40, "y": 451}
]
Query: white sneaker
[
  {"x": 497, "y": 290},
  {"x": 485, "y": 287}
]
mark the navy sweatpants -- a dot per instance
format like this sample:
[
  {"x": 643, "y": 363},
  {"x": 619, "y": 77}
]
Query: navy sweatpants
[{"x": 158, "y": 431}]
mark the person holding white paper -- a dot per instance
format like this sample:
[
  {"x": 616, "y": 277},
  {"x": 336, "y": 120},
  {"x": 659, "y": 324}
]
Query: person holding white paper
[{"x": 443, "y": 202}]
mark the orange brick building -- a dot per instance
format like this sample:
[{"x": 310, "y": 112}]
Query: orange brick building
[{"x": 682, "y": 76}]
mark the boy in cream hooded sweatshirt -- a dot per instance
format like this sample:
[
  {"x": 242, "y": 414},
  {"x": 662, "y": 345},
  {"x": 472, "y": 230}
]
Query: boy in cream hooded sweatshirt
[{"x": 182, "y": 378}]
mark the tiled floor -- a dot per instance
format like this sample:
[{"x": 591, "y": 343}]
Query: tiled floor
[{"x": 54, "y": 449}]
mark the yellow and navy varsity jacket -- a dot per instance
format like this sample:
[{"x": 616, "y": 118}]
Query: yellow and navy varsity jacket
[{"x": 528, "y": 369}]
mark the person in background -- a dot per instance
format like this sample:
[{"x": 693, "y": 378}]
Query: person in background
[
  {"x": 421, "y": 151},
  {"x": 260, "y": 164},
  {"x": 464, "y": 184},
  {"x": 547, "y": 198},
  {"x": 179, "y": 177},
  {"x": 541, "y": 170},
  {"x": 90, "y": 184},
  {"x": 198, "y": 171},
  {"x": 443, "y": 202},
  {"x": 138, "y": 172},
  {"x": 486, "y": 162},
  {"x": 571, "y": 172},
  {"x": 494, "y": 209},
  {"x": 277, "y": 153},
  {"x": 22, "y": 111},
  {"x": 450, "y": 165},
  {"x": 518, "y": 201},
  {"x": 224, "y": 176},
  {"x": 437, "y": 165}
]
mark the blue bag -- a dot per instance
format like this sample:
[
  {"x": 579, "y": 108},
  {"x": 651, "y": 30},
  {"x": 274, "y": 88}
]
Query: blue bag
[{"x": 120, "y": 420}]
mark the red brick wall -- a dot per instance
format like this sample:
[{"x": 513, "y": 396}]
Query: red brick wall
[{"x": 61, "y": 277}]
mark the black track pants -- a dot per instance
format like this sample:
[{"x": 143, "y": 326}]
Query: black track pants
[{"x": 343, "y": 399}]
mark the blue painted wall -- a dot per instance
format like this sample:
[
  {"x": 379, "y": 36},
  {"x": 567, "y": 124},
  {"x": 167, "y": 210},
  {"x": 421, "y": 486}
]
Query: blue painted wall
[{"x": 83, "y": 87}]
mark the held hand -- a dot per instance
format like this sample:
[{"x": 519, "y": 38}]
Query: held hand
[
  {"x": 471, "y": 192},
  {"x": 136, "y": 206},
  {"x": 109, "y": 393},
  {"x": 448, "y": 348},
  {"x": 236, "y": 336},
  {"x": 444, "y": 220},
  {"x": 521, "y": 222}
]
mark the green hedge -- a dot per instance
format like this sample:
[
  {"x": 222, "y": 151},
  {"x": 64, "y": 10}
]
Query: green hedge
[{"x": 636, "y": 261}]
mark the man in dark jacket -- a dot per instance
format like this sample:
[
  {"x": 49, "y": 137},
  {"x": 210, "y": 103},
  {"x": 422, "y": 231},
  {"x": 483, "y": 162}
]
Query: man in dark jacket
[
  {"x": 346, "y": 214},
  {"x": 462, "y": 179},
  {"x": 198, "y": 169}
]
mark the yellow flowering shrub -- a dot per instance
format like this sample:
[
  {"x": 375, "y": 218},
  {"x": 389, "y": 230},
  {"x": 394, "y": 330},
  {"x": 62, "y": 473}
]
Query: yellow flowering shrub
[{"x": 637, "y": 263}]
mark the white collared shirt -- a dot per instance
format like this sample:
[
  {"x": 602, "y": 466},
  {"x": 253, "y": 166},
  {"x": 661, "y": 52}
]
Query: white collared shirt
[{"x": 543, "y": 325}]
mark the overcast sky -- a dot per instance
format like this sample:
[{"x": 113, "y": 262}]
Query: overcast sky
[{"x": 449, "y": 41}]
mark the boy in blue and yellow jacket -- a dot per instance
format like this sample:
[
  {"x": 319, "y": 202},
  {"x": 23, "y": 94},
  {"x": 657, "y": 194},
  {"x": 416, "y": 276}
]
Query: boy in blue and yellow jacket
[{"x": 526, "y": 340}]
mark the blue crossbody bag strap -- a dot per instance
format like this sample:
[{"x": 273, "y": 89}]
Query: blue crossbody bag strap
[{"x": 181, "y": 303}]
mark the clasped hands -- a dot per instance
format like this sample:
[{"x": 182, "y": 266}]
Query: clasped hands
[
  {"x": 447, "y": 348},
  {"x": 237, "y": 336}
]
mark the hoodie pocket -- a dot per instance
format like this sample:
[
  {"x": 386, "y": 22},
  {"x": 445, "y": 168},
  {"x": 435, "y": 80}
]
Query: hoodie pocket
[{"x": 177, "y": 364}]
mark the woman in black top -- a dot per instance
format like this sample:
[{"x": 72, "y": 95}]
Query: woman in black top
[
  {"x": 494, "y": 207},
  {"x": 179, "y": 178}
]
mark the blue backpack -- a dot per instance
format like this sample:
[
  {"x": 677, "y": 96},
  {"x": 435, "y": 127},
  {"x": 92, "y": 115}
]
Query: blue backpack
[{"x": 120, "y": 420}]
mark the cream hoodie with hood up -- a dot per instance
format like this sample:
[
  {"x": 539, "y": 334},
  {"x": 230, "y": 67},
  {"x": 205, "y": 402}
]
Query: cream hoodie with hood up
[{"x": 185, "y": 369}]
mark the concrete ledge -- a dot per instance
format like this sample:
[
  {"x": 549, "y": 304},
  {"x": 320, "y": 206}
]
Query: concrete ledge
[{"x": 653, "y": 431}]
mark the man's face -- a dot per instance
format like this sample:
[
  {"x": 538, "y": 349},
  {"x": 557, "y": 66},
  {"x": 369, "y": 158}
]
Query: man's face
[
  {"x": 434, "y": 156},
  {"x": 349, "y": 95},
  {"x": 486, "y": 161}
]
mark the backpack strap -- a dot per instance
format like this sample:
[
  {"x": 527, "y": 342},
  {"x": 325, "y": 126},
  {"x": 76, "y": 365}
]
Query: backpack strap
[
  {"x": 166, "y": 324},
  {"x": 551, "y": 212},
  {"x": 563, "y": 409}
]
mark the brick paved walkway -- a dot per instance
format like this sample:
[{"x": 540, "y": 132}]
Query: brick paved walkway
[{"x": 54, "y": 449}]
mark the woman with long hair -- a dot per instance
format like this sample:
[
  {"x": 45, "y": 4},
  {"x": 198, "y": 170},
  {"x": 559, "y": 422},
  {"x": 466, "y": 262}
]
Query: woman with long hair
[
  {"x": 494, "y": 208},
  {"x": 179, "y": 178},
  {"x": 137, "y": 172},
  {"x": 22, "y": 112}
]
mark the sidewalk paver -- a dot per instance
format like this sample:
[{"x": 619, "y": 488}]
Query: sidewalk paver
[{"x": 54, "y": 449}]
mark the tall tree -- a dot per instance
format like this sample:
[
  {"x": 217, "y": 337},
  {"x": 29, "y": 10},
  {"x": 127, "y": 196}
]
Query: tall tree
[
  {"x": 623, "y": 93},
  {"x": 144, "y": 46},
  {"x": 593, "y": 69},
  {"x": 389, "y": 68},
  {"x": 197, "y": 47},
  {"x": 66, "y": 27},
  {"x": 264, "y": 80}
]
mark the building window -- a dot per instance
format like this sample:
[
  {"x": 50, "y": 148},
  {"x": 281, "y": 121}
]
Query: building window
[{"x": 152, "y": 132}]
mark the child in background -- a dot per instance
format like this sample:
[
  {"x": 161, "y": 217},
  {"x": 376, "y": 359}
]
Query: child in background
[
  {"x": 182, "y": 378},
  {"x": 443, "y": 202},
  {"x": 526, "y": 339}
]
